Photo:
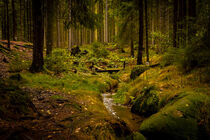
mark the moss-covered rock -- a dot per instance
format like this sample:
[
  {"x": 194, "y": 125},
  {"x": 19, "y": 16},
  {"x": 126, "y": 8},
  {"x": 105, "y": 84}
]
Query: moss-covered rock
[
  {"x": 137, "y": 70},
  {"x": 138, "y": 136},
  {"x": 186, "y": 118},
  {"x": 146, "y": 103}
]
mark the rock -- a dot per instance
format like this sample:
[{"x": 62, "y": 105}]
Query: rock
[
  {"x": 146, "y": 103},
  {"x": 137, "y": 71},
  {"x": 180, "y": 120},
  {"x": 138, "y": 136}
]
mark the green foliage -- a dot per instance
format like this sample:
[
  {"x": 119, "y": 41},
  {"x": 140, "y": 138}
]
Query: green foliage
[
  {"x": 13, "y": 101},
  {"x": 59, "y": 61},
  {"x": 18, "y": 63},
  {"x": 170, "y": 56},
  {"x": 187, "y": 58},
  {"x": 81, "y": 14},
  {"x": 99, "y": 50},
  {"x": 163, "y": 42},
  {"x": 120, "y": 96},
  {"x": 68, "y": 82},
  {"x": 137, "y": 70}
]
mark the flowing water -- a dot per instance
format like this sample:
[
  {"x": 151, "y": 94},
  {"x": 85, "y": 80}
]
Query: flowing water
[{"x": 122, "y": 112}]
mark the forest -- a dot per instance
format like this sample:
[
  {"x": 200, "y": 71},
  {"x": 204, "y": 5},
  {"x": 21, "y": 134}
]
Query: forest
[{"x": 104, "y": 69}]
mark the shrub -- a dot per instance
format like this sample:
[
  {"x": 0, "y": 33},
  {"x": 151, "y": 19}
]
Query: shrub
[
  {"x": 58, "y": 61},
  {"x": 18, "y": 63},
  {"x": 170, "y": 56},
  {"x": 163, "y": 41},
  {"x": 99, "y": 50}
]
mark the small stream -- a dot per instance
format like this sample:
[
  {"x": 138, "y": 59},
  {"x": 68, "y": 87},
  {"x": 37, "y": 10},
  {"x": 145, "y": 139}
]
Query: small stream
[{"x": 122, "y": 112}]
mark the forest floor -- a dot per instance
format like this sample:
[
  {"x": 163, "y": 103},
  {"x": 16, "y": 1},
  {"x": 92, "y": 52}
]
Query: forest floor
[
  {"x": 53, "y": 107},
  {"x": 83, "y": 104}
]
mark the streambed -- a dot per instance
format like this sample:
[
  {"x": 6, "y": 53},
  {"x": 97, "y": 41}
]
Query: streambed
[{"x": 122, "y": 112}]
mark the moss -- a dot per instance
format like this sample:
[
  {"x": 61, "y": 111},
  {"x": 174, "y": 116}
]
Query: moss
[
  {"x": 55, "y": 97},
  {"x": 137, "y": 70},
  {"x": 138, "y": 136},
  {"x": 13, "y": 101},
  {"x": 146, "y": 103},
  {"x": 178, "y": 120}
]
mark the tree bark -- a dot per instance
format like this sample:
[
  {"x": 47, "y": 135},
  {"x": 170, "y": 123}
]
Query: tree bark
[
  {"x": 146, "y": 26},
  {"x": 106, "y": 23},
  {"x": 175, "y": 23},
  {"x": 141, "y": 31},
  {"x": 132, "y": 48},
  {"x": 14, "y": 20},
  {"x": 50, "y": 23},
  {"x": 8, "y": 30},
  {"x": 38, "y": 37}
]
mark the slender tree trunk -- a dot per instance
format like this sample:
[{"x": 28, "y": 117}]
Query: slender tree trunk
[
  {"x": 38, "y": 37},
  {"x": 28, "y": 23},
  {"x": 146, "y": 26},
  {"x": 191, "y": 16},
  {"x": 20, "y": 31},
  {"x": 58, "y": 30},
  {"x": 132, "y": 48},
  {"x": 106, "y": 23},
  {"x": 50, "y": 23},
  {"x": 101, "y": 28},
  {"x": 141, "y": 32},
  {"x": 24, "y": 19},
  {"x": 70, "y": 30},
  {"x": 14, "y": 20},
  {"x": 8, "y": 30},
  {"x": 175, "y": 23},
  {"x": 4, "y": 22}
]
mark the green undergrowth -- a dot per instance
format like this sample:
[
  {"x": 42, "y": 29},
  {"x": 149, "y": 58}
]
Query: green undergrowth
[
  {"x": 176, "y": 103},
  {"x": 14, "y": 102},
  {"x": 69, "y": 82}
]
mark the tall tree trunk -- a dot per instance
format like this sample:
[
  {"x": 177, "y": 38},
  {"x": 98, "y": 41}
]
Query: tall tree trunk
[
  {"x": 191, "y": 18},
  {"x": 14, "y": 20},
  {"x": 146, "y": 26},
  {"x": 132, "y": 48},
  {"x": 20, "y": 31},
  {"x": 58, "y": 30},
  {"x": 175, "y": 23},
  {"x": 141, "y": 32},
  {"x": 24, "y": 19},
  {"x": 106, "y": 23},
  {"x": 8, "y": 31},
  {"x": 50, "y": 23},
  {"x": 38, "y": 37},
  {"x": 70, "y": 30},
  {"x": 4, "y": 22},
  {"x": 28, "y": 23},
  {"x": 101, "y": 28}
]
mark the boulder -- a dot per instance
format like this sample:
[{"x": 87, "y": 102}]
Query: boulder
[
  {"x": 182, "y": 119},
  {"x": 146, "y": 103},
  {"x": 137, "y": 71}
]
